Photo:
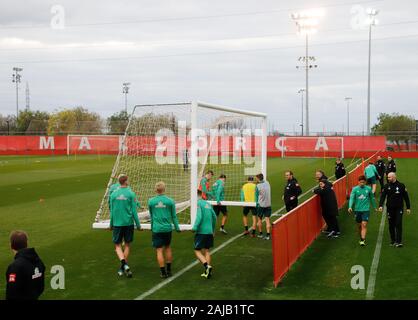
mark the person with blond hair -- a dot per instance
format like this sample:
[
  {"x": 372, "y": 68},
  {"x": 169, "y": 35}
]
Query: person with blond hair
[
  {"x": 123, "y": 217},
  {"x": 163, "y": 215}
]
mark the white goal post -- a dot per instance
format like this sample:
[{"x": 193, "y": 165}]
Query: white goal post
[{"x": 178, "y": 143}]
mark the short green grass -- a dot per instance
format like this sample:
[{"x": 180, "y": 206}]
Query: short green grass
[{"x": 55, "y": 199}]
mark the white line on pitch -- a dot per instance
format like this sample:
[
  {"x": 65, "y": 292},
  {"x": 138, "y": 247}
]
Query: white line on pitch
[
  {"x": 182, "y": 271},
  {"x": 373, "y": 269}
]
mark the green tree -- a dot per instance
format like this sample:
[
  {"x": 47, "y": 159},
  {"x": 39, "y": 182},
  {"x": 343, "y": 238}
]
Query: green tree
[
  {"x": 32, "y": 122},
  {"x": 75, "y": 121},
  {"x": 117, "y": 122},
  {"x": 396, "y": 127},
  {"x": 149, "y": 124},
  {"x": 7, "y": 124}
]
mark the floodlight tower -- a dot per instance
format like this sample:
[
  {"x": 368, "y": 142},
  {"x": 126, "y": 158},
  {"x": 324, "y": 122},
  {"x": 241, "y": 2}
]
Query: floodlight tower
[
  {"x": 348, "y": 114},
  {"x": 126, "y": 91},
  {"x": 27, "y": 97},
  {"x": 306, "y": 23},
  {"x": 371, "y": 21},
  {"x": 16, "y": 77},
  {"x": 301, "y": 91}
]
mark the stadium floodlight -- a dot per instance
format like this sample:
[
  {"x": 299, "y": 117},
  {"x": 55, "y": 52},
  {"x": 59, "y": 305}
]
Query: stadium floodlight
[
  {"x": 307, "y": 23},
  {"x": 301, "y": 91},
  {"x": 16, "y": 78},
  {"x": 371, "y": 21},
  {"x": 126, "y": 91},
  {"x": 178, "y": 143},
  {"x": 348, "y": 114}
]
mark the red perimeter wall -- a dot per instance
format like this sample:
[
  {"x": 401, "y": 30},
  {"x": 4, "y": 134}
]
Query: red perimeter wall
[{"x": 354, "y": 146}]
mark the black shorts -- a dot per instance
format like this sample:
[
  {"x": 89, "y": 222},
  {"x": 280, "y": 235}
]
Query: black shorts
[
  {"x": 203, "y": 241},
  {"x": 218, "y": 209},
  {"x": 246, "y": 211},
  {"x": 123, "y": 234},
  {"x": 371, "y": 181},
  {"x": 161, "y": 239},
  {"x": 264, "y": 212}
]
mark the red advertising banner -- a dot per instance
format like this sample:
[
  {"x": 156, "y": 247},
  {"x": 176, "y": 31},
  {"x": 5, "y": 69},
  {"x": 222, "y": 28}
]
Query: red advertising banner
[
  {"x": 33, "y": 145},
  {"x": 276, "y": 146}
]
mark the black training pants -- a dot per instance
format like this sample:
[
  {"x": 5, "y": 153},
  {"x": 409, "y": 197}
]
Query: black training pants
[
  {"x": 382, "y": 181},
  {"x": 290, "y": 205},
  {"x": 332, "y": 222},
  {"x": 395, "y": 224}
]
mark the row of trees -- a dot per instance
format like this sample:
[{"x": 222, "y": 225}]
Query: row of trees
[
  {"x": 75, "y": 121},
  {"x": 398, "y": 128}
]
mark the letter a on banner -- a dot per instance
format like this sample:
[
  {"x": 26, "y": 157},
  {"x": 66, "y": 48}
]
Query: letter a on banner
[
  {"x": 321, "y": 143},
  {"x": 84, "y": 144}
]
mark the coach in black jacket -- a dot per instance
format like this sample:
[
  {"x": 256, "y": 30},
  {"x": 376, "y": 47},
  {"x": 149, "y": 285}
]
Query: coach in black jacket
[
  {"x": 381, "y": 169},
  {"x": 329, "y": 207},
  {"x": 25, "y": 277},
  {"x": 391, "y": 167},
  {"x": 396, "y": 194},
  {"x": 292, "y": 191},
  {"x": 339, "y": 169}
]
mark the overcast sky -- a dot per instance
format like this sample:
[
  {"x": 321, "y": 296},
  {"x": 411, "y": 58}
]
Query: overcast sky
[{"x": 241, "y": 53}]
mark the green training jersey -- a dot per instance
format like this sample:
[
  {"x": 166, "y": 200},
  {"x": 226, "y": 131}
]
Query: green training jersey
[
  {"x": 205, "y": 218},
  {"x": 123, "y": 206},
  {"x": 112, "y": 188},
  {"x": 162, "y": 210},
  {"x": 361, "y": 197},
  {"x": 218, "y": 190},
  {"x": 371, "y": 171},
  {"x": 204, "y": 186}
]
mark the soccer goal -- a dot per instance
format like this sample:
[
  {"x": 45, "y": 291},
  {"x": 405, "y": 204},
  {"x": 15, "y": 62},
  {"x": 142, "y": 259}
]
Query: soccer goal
[
  {"x": 178, "y": 143},
  {"x": 312, "y": 147}
]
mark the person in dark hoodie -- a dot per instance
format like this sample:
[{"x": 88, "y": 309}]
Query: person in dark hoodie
[
  {"x": 25, "y": 276},
  {"x": 339, "y": 169},
  {"x": 390, "y": 167},
  {"x": 292, "y": 191},
  {"x": 320, "y": 175},
  {"x": 381, "y": 169},
  {"x": 329, "y": 207}
]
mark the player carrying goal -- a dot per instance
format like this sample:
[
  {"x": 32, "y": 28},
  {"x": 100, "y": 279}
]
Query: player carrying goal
[
  {"x": 123, "y": 215},
  {"x": 204, "y": 227},
  {"x": 204, "y": 186},
  {"x": 218, "y": 191},
  {"x": 248, "y": 195}
]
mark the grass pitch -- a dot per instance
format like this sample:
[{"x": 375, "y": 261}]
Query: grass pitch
[{"x": 55, "y": 199}]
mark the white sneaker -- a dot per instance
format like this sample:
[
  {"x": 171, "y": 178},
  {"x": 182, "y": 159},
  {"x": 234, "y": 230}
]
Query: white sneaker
[{"x": 223, "y": 231}]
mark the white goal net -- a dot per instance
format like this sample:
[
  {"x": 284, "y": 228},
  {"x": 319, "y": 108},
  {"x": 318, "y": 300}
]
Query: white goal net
[{"x": 178, "y": 144}]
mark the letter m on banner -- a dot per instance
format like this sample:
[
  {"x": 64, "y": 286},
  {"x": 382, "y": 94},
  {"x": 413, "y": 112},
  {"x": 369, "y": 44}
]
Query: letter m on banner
[{"x": 46, "y": 143}]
